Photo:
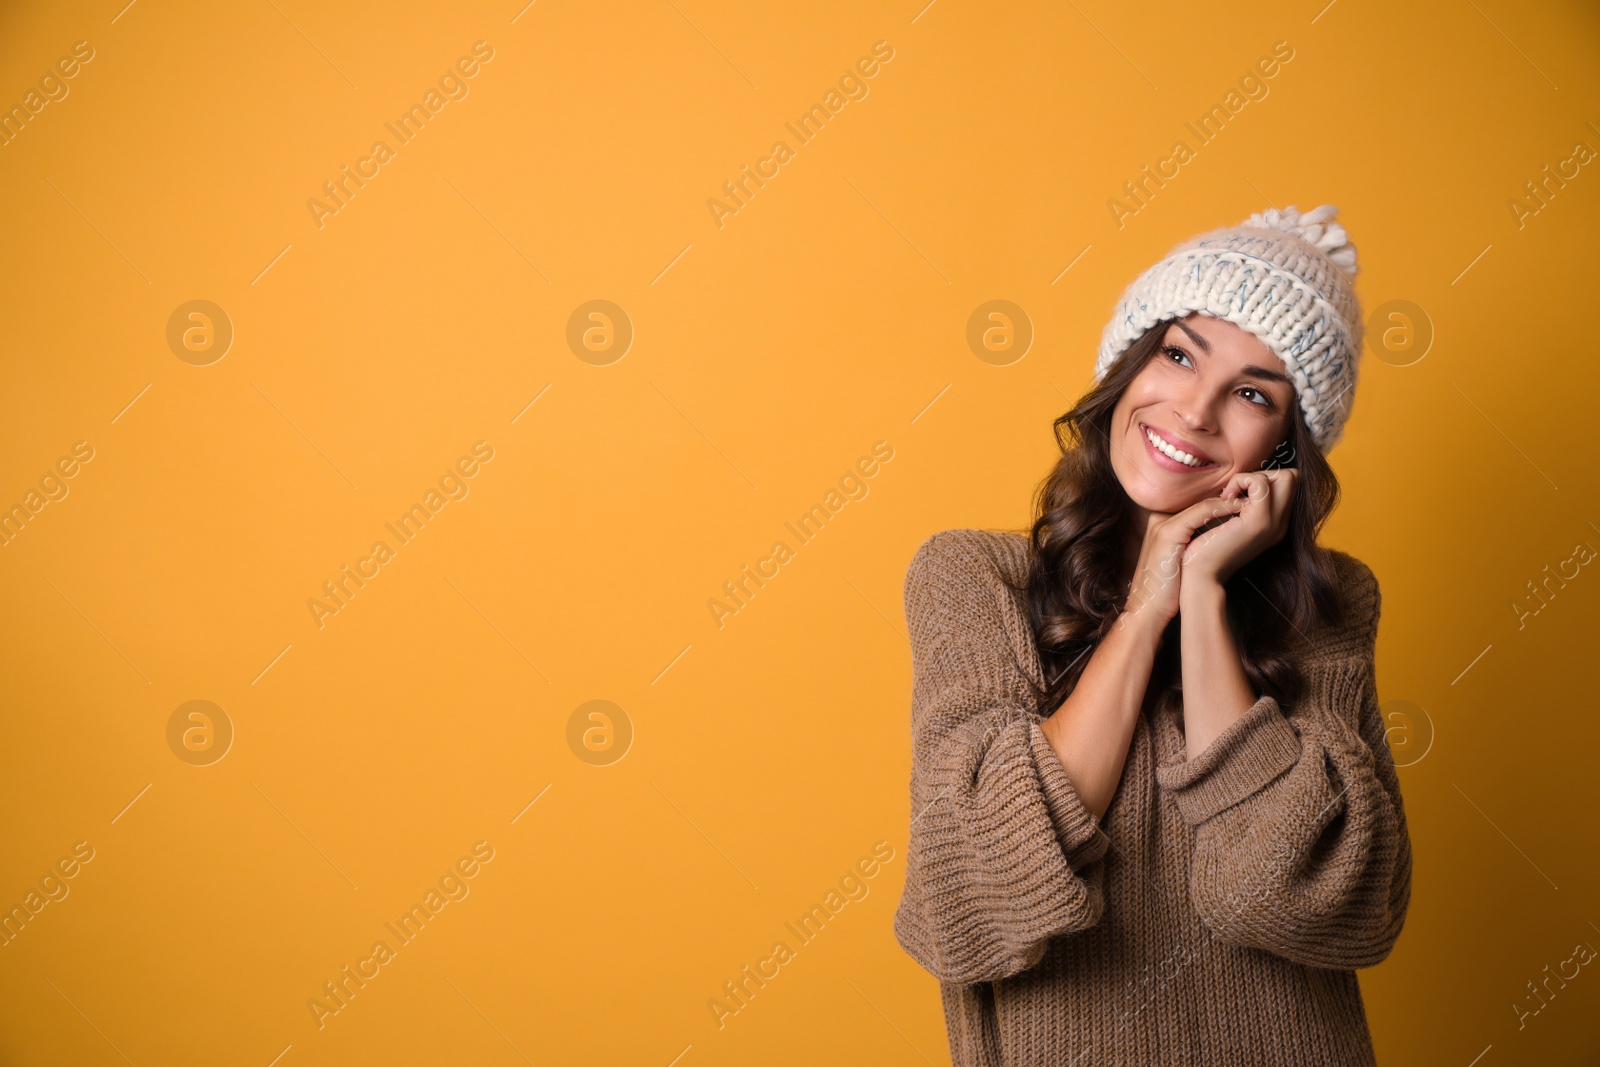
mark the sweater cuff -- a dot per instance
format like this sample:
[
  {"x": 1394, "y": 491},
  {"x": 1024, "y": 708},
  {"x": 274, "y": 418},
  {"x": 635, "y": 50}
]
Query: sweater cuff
[
  {"x": 1077, "y": 829},
  {"x": 1241, "y": 761}
]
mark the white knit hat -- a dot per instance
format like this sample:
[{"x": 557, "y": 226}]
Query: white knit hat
[{"x": 1287, "y": 278}]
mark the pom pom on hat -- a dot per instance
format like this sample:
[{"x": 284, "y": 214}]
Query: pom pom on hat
[{"x": 1316, "y": 228}]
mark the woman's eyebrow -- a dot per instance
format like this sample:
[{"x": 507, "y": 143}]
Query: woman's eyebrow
[
  {"x": 1205, "y": 346},
  {"x": 1270, "y": 375},
  {"x": 1252, "y": 369}
]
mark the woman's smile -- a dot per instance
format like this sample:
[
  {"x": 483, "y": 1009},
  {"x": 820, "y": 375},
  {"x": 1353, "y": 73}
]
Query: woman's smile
[{"x": 1174, "y": 453}]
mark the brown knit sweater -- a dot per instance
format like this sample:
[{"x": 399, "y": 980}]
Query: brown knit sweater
[{"x": 1217, "y": 911}]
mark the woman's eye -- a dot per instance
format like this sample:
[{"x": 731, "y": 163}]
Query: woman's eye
[{"x": 1180, "y": 358}]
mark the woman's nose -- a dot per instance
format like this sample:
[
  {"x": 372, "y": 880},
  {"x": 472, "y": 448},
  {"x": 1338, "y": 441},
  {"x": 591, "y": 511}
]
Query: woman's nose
[{"x": 1196, "y": 413}]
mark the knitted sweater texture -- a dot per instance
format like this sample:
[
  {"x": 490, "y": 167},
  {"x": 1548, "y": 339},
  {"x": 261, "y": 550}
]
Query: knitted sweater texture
[{"x": 1218, "y": 910}]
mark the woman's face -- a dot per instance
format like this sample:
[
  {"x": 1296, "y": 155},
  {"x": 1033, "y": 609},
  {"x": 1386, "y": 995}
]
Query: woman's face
[{"x": 1213, "y": 392}]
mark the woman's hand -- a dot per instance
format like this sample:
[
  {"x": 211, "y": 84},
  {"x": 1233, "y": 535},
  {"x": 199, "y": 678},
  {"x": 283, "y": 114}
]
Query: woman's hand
[
  {"x": 1213, "y": 557},
  {"x": 1157, "y": 576}
]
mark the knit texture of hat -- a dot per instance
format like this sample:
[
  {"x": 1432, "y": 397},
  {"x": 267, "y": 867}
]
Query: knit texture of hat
[{"x": 1287, "y": 278}]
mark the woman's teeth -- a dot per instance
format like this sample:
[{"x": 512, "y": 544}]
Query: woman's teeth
[{"x": 1176, "y": 453}]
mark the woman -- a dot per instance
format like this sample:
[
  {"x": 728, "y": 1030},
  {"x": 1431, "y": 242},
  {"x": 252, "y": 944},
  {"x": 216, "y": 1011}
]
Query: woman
[{"x": 1155, "y": 820}]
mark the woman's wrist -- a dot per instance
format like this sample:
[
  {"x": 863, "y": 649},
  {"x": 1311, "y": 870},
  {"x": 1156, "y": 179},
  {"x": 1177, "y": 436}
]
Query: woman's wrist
[
  {"x": 1142, "y": 621},
  {"x": 1201, "y": 593}
]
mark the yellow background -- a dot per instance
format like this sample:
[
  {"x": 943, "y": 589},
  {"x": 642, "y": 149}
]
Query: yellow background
[{"x": 769, "y": 355}]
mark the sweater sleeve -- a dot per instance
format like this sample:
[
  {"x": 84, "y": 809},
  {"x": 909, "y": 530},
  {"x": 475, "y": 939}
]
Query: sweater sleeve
[
  {"x": 1002, "y": 851},
  {"x": 1301, "y": 845}
]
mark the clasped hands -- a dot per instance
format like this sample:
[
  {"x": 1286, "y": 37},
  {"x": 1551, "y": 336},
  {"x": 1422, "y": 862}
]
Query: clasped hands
[{"x": 1176, "y": 564}]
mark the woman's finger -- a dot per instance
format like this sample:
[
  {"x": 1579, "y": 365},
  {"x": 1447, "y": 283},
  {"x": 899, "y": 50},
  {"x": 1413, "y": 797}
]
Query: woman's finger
[
  {"x": 1254, "y": 484},
  {"x": 1183, "y": 524}
]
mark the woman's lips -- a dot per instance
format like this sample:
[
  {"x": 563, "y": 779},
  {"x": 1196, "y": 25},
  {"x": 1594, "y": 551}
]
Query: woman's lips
[{"x": 1165, "y": 461}]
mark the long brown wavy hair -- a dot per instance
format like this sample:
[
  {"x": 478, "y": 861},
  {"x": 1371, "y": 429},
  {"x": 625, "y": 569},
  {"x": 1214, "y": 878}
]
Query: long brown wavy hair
[{"x": 1079, "y": 576}]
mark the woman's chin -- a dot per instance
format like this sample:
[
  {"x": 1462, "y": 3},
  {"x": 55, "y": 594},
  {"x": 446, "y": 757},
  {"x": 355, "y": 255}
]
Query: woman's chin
[{"x": 1167, "y": 503}]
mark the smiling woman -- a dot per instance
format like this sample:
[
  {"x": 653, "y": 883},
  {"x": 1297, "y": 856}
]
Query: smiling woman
[{"x": 1169, "y": 660}]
